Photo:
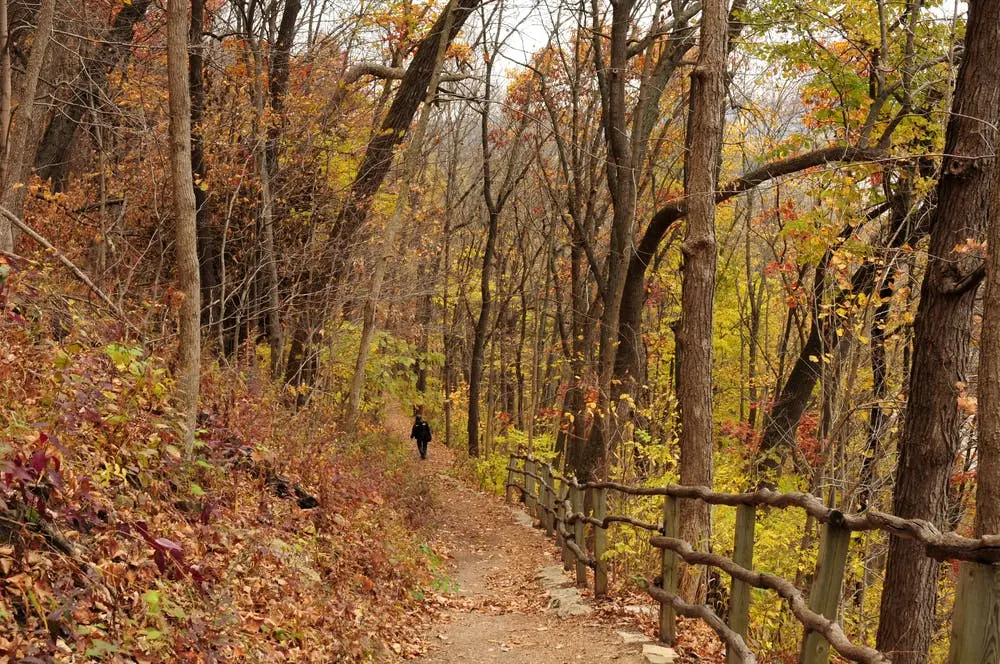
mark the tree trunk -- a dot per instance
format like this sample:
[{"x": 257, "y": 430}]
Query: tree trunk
[
  {"x": 5, "y": 107},
  {"x": 942, "y": 333},
  {"x": 988, "y": 475},
  {"x": 482, "y": 327},
  {"x": 878, "y": 417},
  {"x": 52, "y": 160},
  {"x": 209, "y": 239},
  {"x": 425, "y": 309},
  {"x": 277, "y": 88},
  {"x": 411, "y": 162},
  {"x": 186, "y": 242},
  {"x": 20, "y": 148},
  {"x": 704, "y": 143},
  {"x": 380, "y": 152},
  {"x": 620, "y": 173}
]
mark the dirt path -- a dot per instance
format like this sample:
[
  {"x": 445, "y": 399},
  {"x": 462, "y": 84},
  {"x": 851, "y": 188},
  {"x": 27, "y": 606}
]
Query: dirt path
[{"x": 494, "y": 608}]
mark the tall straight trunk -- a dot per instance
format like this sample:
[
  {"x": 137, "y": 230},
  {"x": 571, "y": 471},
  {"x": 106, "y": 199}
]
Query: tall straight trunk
[
  {"x": 988, "y": 475},
  {"x": 5, "y": 95},
  {"x": 447, "y": 370},
  {"x": 272, "y": 299},
  {"x": 942, "y": 334},
  {"x": 878, "y": 416},
  {"x": 582, "y": 330},
  {"x": 185, "y": 213},
  {"x": 482, "y": 325},
  {"x": 620, "y": 172},
  {"x": 536, "y": 364},
  {"x": 266, "y": 302},
  {"x": 20, "y": 148},
  {"x": 277, "y": 88},
  {"x": 704, "y": 143},
  {"x": 209, "y": 240},
  {"x": 424, "y": 341},
  {"x": 411, "y": 162},
  {"x": 519, "y": 406}
]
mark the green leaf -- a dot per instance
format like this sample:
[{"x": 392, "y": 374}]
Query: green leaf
[
  {"x": 174, "y": 610},
  {"x": 99, "y": 648},
  {"x": 152, "y": 600}
]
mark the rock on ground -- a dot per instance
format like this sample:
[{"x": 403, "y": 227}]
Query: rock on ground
[{"x": 654, "y": 654}]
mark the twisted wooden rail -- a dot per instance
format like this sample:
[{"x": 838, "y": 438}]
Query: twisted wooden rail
[{"x": 560, "y": 510}]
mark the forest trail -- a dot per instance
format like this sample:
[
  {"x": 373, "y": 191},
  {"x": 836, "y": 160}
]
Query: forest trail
[{"x": 494, "y": 608}]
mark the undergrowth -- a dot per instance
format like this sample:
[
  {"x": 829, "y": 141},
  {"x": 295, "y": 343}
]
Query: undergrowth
[{"x": 118, "y": 545}]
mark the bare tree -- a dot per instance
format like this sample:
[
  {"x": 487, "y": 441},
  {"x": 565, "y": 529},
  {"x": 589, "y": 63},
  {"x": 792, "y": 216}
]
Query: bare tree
[
  {"x": 186, "y": 235},
  {"x": 411, "y": 162},
  {"x": 694, "y": 338},
  {"x": 494, "y": 198}
]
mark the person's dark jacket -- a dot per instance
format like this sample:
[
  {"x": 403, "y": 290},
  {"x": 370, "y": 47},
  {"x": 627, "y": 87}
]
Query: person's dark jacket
[{"x": 421, "y": 432}]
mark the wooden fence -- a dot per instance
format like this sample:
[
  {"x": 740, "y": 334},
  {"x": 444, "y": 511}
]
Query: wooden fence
[{"x": 558, "y": 502}]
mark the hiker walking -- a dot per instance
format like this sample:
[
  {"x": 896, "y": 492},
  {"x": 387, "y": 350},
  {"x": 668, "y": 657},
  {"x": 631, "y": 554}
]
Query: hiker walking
[{"x": 422, "y": 434}]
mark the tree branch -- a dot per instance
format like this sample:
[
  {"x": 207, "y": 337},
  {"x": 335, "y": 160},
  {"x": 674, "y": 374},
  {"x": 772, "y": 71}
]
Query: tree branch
[
  {"x": 959, "y": 285},
  {"x": 668, "y": 214},
  {"x": 77, "y": 272},
  {"x": 362, "y": 69},
  {"x": 734, "y": 642},
  {"x": 813, "y": 621}
]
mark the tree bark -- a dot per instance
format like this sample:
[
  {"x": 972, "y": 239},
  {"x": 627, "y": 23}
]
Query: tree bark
[
  {"x": 620, "y": 171},
  {"x": 482, "y": 326},
  {"x": 942, "y": 334},
  {"x": 20, "y": 148},
  {"x": 988, "y": 413},
  {"x": 277, "y": 88},
  {"x": 186, "y": 243},
  {"x": 6, "y": 93},
  {"x": 209, "y": 239},
  {"x": 704, "y": 143},
  {"x": 52, "y": 160},
  {"x": 411, "y": 162},
  {"x": 380, "y": 152}
]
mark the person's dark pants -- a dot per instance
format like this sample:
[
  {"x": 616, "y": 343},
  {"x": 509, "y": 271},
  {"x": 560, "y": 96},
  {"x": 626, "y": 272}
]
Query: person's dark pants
[{"x": 422, "y": 448}]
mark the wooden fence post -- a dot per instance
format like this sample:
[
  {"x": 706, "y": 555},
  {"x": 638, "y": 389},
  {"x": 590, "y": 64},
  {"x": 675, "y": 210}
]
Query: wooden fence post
[
  {"x": 600, "y": 544},
  {"x": 547, "y": 499},
  {"x": 561, "y": 527},
  {"x": 975, "y": 629},
  {"x": 739, "y": 599},
  {"x": 668, "y": 571},
  {"x": 529, "y": 486},
  {"x": 576, "y": 498},
  {"x": 510, "y": 476},
  {"x": 825, "y": 594}
]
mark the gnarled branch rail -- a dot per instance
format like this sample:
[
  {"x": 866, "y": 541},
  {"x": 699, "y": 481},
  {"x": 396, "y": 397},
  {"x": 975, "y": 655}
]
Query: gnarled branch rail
[{"x": 559, "y": 505}]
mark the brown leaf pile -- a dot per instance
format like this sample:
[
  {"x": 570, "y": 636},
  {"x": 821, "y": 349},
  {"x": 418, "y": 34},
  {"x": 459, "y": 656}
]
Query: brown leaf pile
[{"x": 116, "y": 545}]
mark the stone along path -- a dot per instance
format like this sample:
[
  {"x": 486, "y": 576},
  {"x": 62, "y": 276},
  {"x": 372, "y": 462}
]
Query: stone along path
[{"x": 504, "y": 595}]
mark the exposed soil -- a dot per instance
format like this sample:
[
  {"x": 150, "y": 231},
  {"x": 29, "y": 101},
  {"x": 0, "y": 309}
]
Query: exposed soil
[{"x": 494, "y": 610}]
